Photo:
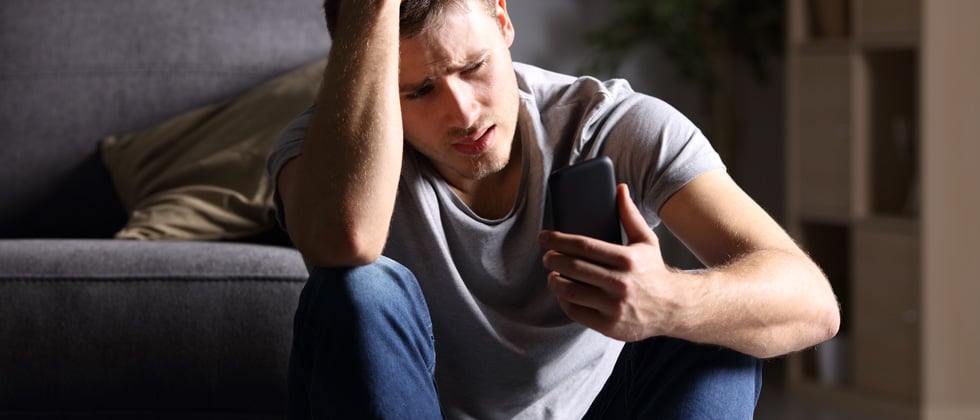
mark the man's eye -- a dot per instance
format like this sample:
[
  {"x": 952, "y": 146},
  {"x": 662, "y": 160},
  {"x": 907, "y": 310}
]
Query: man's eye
[
  {"x": 476, "y": 66},
  {"x": 420, "y": 92}
]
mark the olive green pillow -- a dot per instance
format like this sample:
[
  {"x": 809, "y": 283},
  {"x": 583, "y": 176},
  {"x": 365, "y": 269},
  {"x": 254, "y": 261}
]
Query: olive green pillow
[{"x": 201, "y": 175}]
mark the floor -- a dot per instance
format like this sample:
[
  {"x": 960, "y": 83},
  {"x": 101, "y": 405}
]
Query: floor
[{"x": 776, "y": 403}]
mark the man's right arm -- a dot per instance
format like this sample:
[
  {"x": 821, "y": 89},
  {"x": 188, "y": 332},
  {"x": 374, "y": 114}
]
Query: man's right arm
[{"x": 339, "y": 194}]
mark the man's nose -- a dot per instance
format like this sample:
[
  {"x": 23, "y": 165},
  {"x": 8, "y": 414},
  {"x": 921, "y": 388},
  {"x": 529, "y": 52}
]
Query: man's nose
[{"x": 461, "y": 106}]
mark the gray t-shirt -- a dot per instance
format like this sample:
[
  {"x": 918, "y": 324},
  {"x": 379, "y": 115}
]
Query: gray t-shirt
[{"x": 504, "y": 348}]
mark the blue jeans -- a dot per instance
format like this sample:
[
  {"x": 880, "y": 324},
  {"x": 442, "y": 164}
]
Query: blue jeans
[{"x": 363, "y": 348}]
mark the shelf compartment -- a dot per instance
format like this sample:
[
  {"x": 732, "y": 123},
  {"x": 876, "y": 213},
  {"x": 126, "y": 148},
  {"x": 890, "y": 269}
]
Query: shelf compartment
[
  {"x": 888, "y": 21},
  {"x": 829, "y": 245},
  {"x": 892, "y": 131},
  {"x": 828, "y": 19}
]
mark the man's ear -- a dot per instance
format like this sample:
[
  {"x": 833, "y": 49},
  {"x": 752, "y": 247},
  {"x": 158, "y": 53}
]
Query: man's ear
[{"x": 504, "y": 22}]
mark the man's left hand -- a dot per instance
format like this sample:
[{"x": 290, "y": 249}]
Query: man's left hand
[{"x": 623, "y": 291}]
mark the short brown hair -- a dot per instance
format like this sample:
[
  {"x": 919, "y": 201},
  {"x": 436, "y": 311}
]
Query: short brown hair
[{"x": 414, "y": 17}]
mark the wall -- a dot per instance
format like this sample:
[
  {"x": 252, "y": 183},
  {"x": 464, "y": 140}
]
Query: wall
[{"x": 951, "y": 203}]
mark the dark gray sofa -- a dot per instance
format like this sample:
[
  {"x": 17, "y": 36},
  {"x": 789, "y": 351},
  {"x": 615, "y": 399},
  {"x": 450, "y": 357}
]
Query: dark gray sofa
[{"x": 102, "y": 328}]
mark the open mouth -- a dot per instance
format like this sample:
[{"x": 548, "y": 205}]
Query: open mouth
[{"x": 477, "y": 145}]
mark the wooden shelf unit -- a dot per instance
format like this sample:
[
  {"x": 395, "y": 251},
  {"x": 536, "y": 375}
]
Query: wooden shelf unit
[{"x": 882, "y": 98}]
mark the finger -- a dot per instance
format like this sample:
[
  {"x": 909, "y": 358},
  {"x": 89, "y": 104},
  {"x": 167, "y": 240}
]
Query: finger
[
  {"x": 582, "y": 303},
  {"x": 586, "y": 316},
  {"x": 573, "y": 267},
  {"x": 587, "y": 270},
  {"x": 576, "y": 272},
  {"x": 583, "y": 247},
  {"x": 636, "y": 227}
]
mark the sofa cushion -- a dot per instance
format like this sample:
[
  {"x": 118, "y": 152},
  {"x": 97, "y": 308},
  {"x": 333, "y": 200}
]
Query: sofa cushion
[
  {"x": 73, "y": 72},
  {"x": 174, "y": 328},
  {"x": 201, "y": 175}
]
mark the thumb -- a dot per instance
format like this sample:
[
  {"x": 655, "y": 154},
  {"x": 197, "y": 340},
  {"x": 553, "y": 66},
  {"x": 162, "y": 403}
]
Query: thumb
[{"x": 634, "y": 225}]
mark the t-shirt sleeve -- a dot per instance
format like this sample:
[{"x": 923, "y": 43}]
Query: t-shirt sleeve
[
  {"x": 288, "y": 146},
  {"x": 656, "y": 148}
]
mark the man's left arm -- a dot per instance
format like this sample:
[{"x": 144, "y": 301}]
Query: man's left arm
[{"x": 760, "y": 294}]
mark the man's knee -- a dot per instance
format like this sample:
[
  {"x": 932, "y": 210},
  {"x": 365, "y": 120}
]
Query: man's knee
[
  {"x": 370, "y": 296},
  {"x": 384, "y": 283},
  {"x": 704, "y": 381}
]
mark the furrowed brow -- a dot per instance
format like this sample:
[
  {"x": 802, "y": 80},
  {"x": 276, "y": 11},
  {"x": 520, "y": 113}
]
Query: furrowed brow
[{"x": 475, "y": 58}]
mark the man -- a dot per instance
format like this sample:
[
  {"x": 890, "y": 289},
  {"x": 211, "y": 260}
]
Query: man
[{"x": 416, "y": 190}]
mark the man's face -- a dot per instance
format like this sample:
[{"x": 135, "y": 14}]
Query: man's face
[{"x": 459, "y": 94}]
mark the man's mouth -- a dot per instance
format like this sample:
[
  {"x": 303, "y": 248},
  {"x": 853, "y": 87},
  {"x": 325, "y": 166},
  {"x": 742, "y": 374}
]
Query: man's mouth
[{"x": 477, "y": 145}]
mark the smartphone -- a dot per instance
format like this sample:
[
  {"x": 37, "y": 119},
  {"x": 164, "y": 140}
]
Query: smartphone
[{"x": 583, "y": 200}]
